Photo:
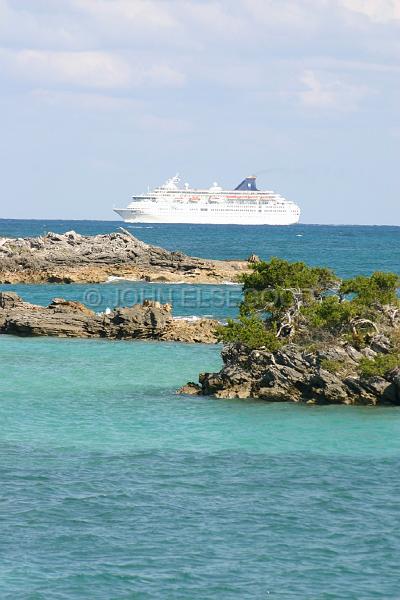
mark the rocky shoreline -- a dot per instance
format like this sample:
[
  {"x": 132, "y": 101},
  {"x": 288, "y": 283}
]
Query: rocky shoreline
[
  {"x": 62, "y": 318},
  {"x": 305, "y": 335},
  {"x": 74, "y": 258},
  {"x": 302, "y": 334},
  {"x": 327, "y": 376}
]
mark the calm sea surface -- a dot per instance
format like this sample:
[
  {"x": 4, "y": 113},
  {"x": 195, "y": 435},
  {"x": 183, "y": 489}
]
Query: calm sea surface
[
  {"x": 348, "y": 249},
  {"x": 114, "y": 487}
]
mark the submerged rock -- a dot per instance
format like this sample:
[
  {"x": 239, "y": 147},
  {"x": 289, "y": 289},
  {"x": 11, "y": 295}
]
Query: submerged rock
[{"x": 190, "y": 389}]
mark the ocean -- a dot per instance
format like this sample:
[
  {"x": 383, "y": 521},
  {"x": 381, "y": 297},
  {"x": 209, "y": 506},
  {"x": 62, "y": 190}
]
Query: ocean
[
  {"x": 348, "y": 249},
  {"x": 114, "y": 487}
]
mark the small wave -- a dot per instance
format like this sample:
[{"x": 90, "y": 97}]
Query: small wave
[
  {"x": 163, "y": 282},
  {"x": 107, "y": 311},
  {"x": 191, "y": 318},
  {"x": 113, "y": 278},
  {"x": 299, "y": 235}
]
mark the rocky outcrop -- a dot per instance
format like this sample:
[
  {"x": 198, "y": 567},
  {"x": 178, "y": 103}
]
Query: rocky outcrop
[
  {"x": 74, "y": 258},
  {"x": 293, "y": 374},
  {"x": 198, "y": 330},
  {"x": 64, "y": 318}
]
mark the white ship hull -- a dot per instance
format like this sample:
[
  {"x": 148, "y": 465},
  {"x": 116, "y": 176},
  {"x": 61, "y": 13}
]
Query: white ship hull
[
  {"x": 245, "y": 205},
  {"x": 194, "y": 217}
]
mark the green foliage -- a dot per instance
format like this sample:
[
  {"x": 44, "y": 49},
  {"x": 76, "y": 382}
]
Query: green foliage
[
  {"x": 329, "y": 313},
  {"x": 307, "y": 304},
  {"x": 275, "y": 286},
  {"x": 333, "y": 366},
  {"x": 380, "y": 288},
  {"x": 251, "y": 331},
  {"x": 379, "y": 365},
  {"x": 279, "y": 273},
  {"x": 395, "y": 339},
  {"x": 356, "y": 339}
]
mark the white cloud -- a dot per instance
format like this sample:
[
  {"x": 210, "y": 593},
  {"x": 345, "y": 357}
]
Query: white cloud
[
  {"x": 291, "y": 14},
  {"x": 212, "y": 18},
  {"x": 84, "y": 24},
  {"x": 330, "y": 94},
  {"x": 149, "y": 122},
  {"x": 138, "y": 13},
  {"x": 304, "y": 13},
  {"x": 135, "y": 111},
  {"x": 86, "y": 69},
  {"x": 159, "y": 74},
  {"x": 31, "y": 24},
  {"x": 132, "y": 44},
  {"x": 380, "y": 11},
  {"x": 84, "y": 100}
]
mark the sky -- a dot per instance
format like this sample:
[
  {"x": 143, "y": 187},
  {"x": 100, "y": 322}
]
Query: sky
[{"x": 102, "y": 98}]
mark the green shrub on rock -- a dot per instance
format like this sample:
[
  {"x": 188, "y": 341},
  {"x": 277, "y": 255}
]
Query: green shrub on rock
[
  {"x": 333, "y": 366},
  {"x": 379, "y": 288},
  {"x": 291, "y": 301},
  {"x": 251, "y": 331},
  {"x": 379, "y": 365},
  {"x": 330, "y": 313},
  {"x": 279, "y": 273}
]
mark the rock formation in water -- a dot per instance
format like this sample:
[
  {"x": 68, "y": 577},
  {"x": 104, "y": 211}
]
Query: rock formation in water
[
  {"x": 64, "y": 318},
  {"x": 304, "y": 335},
  {"x": 74, "y": 258},
  {"x": 329, "y": 376}
]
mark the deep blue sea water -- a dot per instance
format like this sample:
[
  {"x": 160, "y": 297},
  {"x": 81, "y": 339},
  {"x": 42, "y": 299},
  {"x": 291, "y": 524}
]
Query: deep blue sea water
[
  {"x": 114, "y": 487},
  {"x": 349, "y": 249}
]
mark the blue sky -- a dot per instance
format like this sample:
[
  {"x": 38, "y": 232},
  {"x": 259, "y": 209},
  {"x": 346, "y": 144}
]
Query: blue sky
[{"x": 101, "y": 98}]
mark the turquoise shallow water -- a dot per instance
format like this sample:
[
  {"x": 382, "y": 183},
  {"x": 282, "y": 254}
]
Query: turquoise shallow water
[
  {"x": 114, "y": 487},
  {"x": 205, "y": 300}
]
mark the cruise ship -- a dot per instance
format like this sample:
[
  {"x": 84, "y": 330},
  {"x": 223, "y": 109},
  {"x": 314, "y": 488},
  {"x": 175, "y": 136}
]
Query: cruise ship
[{"x": 245, "y": 205}]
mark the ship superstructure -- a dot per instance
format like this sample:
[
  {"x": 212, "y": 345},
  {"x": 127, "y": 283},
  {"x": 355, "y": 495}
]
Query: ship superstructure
[{"x": 245, "y": 205}]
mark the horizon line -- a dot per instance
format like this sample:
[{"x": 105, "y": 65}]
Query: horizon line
[{"x": 77, "y": 220}]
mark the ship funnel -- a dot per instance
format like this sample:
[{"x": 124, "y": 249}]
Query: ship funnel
[{"x": 248, "y": 184}]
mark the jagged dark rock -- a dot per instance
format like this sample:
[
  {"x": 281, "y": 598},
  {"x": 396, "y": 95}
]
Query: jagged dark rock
[
  {"x": 10, "y": 300},
  {"x": 190, "y": 389},
  {"x": 65, "y": 318},
  {"x": 71, "y": 257},
  {"x": 294, "y": 374},
  {"x": 380, "y": 343},
  {"x": 305, "y": 335}
]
